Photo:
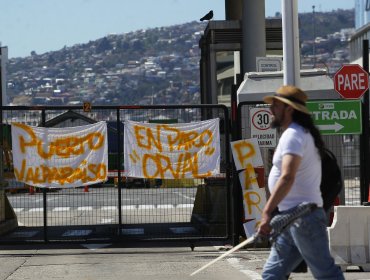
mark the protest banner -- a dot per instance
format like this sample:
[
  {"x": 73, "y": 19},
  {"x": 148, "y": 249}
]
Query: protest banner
[
  {"x": 172, "y": 151},
  {"x": 60, "y": 157}
]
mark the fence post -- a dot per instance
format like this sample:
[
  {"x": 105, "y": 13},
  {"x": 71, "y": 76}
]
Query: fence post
[
  {"x": 364, "y": 143},
  {"x": 237, "y": 204},
  {"x": 44, "y": 198},
  {"x": 119, "y": 151},
  {"x": 2, "y": 181}
]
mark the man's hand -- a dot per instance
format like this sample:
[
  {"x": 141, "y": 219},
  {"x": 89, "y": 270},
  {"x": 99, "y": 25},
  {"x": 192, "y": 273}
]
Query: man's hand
[{"x": 265, "y": 228}]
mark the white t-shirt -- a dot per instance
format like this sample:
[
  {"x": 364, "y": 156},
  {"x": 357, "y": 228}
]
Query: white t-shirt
[{"x": 306, "y": 187}]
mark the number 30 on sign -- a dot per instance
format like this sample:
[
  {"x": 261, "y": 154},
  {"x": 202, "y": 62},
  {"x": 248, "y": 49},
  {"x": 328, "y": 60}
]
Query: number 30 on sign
[{"x": 261, "y": 118}]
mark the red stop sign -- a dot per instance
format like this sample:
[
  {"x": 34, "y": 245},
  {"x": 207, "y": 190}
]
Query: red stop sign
[{"x": 351, "y": 81}]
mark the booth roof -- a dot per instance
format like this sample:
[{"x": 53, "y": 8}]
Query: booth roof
[{"x": 315, "y": 82}]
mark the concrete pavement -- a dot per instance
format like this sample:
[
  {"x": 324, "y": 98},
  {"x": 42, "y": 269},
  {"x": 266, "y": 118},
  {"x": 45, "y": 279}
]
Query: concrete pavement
[
  {"x": 134, "y": 262},
  {"x": 103, "y": 261}
]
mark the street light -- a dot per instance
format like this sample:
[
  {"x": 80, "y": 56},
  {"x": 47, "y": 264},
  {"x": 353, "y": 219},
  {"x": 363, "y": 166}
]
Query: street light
[{"x": 314, "y": 37}]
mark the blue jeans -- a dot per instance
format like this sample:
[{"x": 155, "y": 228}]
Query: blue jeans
[{"x": 306, "y": 238}]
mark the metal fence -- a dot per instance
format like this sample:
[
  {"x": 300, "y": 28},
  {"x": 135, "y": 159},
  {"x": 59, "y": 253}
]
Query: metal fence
[
  {"x": 345, "y": 147},
  {"x": 122, "y": 208}
]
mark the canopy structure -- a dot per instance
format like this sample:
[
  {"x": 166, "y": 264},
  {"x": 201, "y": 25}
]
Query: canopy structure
[{"x": 315, "y": 82}]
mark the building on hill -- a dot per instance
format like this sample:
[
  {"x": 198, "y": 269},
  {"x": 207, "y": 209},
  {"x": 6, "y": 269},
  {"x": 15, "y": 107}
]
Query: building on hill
[{"x": 362, "y": 13}]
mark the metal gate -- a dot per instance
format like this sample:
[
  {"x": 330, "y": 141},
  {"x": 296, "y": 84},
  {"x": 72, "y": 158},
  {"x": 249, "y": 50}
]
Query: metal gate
[{"x": 122, "y": 208}]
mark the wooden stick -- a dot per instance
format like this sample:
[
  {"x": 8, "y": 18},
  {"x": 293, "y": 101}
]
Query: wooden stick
[{"x": 232, "y": 250}]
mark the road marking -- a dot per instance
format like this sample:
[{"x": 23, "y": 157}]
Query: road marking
[
  {"x": 183, "y": 230},
  {"x": 128, "y": 207},
  {"x": 61, "y": 209},
  {"x": 164, "y": 206},
  {"x": 106, "y": 221},
  {"x": 185, "y": 196},
  {"x": 85, "y": 208},
  {"x": 37, "y": 209},
  {"x": 252, "y": 274},
  {"x": 24, "y": 234},
  {"x": 82, "y": 232},
  {"x": 132, "y": 231},
  {"x": 146, "y": 207},
  {"x": 235, "y": 262},
  {"x": 109, "y": 208},
  {"x": 184, "y": 205},
  {"x": 49, "y": 199}
]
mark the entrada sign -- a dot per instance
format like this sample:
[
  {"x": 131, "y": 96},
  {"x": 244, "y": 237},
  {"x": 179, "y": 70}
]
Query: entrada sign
[{"x": 337, "y": 116}]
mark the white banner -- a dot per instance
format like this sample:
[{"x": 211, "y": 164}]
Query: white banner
[
  {"x": 247, "y": 157},
  {"x": 245, "y": 152},
  {"x": 60, "y": 157},
  {"x": 172, "y": 151}
]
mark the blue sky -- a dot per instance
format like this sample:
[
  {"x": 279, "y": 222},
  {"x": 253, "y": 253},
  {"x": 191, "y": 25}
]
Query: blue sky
[{"x": 48, "y": 25}]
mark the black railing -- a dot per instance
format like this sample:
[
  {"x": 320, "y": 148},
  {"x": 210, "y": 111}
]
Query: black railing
[{"x": 134, "y": 208}]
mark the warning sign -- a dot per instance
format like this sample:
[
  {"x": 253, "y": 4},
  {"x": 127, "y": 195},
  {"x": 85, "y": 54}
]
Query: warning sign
[{"x": 261, "y": 127}]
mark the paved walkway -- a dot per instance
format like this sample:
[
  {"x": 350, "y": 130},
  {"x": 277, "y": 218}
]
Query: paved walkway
[{"x": 135, "y": 262}]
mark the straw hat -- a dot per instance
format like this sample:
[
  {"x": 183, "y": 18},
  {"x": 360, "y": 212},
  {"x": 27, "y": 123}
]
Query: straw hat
[{"x": 290, "y": 95}]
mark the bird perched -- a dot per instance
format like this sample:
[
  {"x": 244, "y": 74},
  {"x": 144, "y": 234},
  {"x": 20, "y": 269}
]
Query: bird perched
[{"x": 208, "y": 16}]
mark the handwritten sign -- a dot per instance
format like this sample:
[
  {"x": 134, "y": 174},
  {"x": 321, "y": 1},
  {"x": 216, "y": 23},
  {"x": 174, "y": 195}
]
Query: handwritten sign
[
  {"x": 246, "y": 152},
  {"x": 247, "y": 156},
  {"x": 60, "y": 157},
  {"x": 172, "y": 151}
]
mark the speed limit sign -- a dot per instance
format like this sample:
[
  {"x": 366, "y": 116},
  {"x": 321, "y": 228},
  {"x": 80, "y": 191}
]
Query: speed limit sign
[{"x": 260, "y": 125}]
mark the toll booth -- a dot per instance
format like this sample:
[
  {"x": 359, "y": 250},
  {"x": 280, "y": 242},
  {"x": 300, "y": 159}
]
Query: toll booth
[
  {"x": 221, "y": 54},
  {"x": 325, "y": 103}
]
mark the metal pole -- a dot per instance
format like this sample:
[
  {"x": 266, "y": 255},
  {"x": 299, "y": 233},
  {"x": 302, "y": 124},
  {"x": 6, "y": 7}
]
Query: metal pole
[
  {"x": 254, "y": 34},
  {"x": 233, "y": 9},
  {"x": 290, "y": 42},
  {"x": 314, "y": 37},
  {"x": 44, "y": 194},
  {"x": 119, "y": 151},
  {"x": 236, "y": 198},
  {"x": 2, "y": 187},
  {"x": 364, "y": 139}
]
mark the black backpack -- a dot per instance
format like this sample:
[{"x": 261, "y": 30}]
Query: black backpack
[{"x": 331, "y": 181}]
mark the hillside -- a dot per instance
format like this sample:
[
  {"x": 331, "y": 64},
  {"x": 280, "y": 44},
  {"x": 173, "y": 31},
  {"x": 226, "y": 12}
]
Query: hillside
[
  {"x": 325, "y": 23},
  {"x": 156, "y": 65},
  {"x": 153, "y": 66}
]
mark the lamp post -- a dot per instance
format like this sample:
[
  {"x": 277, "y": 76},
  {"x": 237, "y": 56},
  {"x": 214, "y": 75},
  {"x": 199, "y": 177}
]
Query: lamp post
[{"x": 314, "y": 37}]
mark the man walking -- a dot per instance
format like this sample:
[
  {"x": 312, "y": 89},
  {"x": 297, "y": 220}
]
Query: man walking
[{"x": 295, "y": 178}]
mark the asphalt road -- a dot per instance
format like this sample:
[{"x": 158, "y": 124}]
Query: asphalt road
[{"x": 100, "y": 206}]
